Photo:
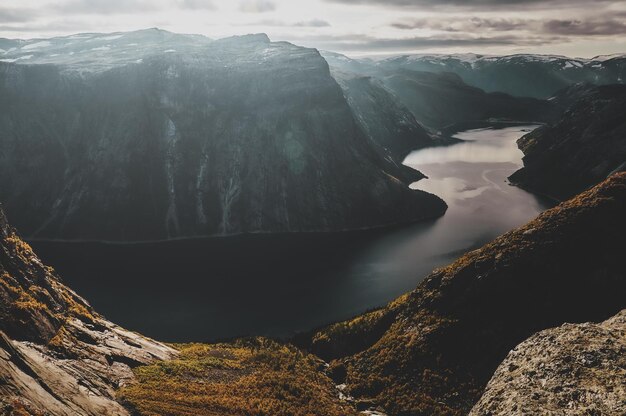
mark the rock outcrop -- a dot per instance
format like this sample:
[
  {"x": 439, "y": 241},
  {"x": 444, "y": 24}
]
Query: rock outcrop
[
  {"x": 573, "y": 369},
  {"x": 162, "y": 136},
  {"x": 585, "y": 145},
  {"x": 432, "y": 351},
  {"x": 57, "y": 355}
]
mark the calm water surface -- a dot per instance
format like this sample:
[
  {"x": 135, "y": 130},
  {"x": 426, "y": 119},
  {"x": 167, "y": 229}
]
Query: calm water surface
[{"x": 277, "y": 285}]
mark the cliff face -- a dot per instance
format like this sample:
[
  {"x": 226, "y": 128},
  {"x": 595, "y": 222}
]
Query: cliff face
[
  {"x": 585, "y": 145},
  {"x": 206, "y": 137},
  {"x": 57, "y": 355},
  {"x": 389, "y": 125},
  {"x": 572, "y": 369},
  {"x": 433, "y": 350}
]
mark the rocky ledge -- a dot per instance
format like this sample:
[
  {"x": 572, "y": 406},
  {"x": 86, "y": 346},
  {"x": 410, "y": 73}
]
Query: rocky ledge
[
  {"x": 57, "y": 355},
  {"x": 572, "y": 369}
]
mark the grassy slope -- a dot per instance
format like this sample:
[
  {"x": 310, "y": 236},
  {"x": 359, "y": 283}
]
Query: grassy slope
[{"x": 248, "y": 377}]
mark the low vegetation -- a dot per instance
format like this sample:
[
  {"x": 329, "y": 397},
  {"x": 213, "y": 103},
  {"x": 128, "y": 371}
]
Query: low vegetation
[{"x": 248, "y": 377}]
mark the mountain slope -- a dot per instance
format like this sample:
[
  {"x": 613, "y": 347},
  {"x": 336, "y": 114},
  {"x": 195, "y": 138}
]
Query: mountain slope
[
  {"x": 57, "y": 355},
  {"x": 439, "y": 98},
  {"x": 202, "y": 138},
  {"x": 578, "y": 367},
  {"x": 579, "y": 150},
  {"x": 387, "y": 122},
  {"x": 433, "y": 350}
]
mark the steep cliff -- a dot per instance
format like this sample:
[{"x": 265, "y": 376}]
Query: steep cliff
[
  {"x": 186, "y": 137},
  {"x": 57, "y": 355},
  {"x": 433, "y": 350},
  {"x": 585, "y": 145},
  {"x": 388, "y": 123}
]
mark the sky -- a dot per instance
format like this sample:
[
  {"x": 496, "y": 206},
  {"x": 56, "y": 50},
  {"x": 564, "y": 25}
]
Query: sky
[{"x": 354, "y": 27}]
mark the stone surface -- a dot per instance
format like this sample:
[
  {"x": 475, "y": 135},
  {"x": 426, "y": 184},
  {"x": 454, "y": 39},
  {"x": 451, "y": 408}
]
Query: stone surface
[
  {"x": 573, "y": 369},
  {"x": 57, "y": 355}
]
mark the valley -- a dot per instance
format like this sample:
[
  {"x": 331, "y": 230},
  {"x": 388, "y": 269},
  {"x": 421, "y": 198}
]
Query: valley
[{"x": 281, "y": 284}]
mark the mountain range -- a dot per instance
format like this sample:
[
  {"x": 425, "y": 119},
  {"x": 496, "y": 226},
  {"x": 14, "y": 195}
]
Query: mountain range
[{"x": 162, "y": 135}]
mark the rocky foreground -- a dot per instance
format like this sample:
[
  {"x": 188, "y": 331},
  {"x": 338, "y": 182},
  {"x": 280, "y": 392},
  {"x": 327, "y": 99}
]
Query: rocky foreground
[
  {"x": 572, "y": 369},
  {"x": 430, "y": 352},
  {"x": 57, "y": 355}
]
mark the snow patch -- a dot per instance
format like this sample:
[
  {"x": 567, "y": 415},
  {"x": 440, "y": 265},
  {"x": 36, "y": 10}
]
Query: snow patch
[
  {"x": 36, "y": 45},
  {"x": 21, "y": 58},
  {"x": 112, "y": 37},
  {"x": 101, "y": 48}
]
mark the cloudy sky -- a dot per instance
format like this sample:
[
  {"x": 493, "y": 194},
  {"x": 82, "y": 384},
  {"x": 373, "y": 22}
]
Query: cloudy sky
[{"x": 355, "y": 27}]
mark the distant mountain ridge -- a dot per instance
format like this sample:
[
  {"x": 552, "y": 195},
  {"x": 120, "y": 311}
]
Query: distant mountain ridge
[
  {"x": 523, "y": 75},
  {"x": 441, "y": 100}
]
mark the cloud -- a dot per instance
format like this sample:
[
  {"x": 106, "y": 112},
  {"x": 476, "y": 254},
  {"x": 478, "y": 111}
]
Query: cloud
[
  {"x": 477, "y": 4},
  {"x": 104, "y": 6},
  {"x": 464, "y": 25},
  {"x": 256, "y": 6},
  {"x": 17, "y": 15},
  {"x": 364, "y": 43},
  {"x": 312, "y": 23},
  {"x": 585, "y": 28},
  {"x": 197, "y": 4},
  {"x": 282, "y": 23}
]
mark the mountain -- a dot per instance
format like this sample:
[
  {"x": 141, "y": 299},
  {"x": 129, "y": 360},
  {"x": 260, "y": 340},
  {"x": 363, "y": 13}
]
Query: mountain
[
  {"x": 581, "y": 367},
  {"x": 387, "y": 122},
  {"x": 441, "y": 99},
  {"x": 582, "y": 148},
  {"x": 57, "y": 355},
  {"x": 523, "y": 75},
  {"x": 433, "y": 351},
  {"x": 159, "y": 135}
]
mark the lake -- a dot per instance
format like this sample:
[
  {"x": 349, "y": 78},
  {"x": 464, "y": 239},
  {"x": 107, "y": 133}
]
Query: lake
[{"x": 277, "y": 285}]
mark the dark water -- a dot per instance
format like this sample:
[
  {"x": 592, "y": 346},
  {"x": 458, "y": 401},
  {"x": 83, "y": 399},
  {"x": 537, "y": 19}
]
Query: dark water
[{"x": 212, "y": 288}]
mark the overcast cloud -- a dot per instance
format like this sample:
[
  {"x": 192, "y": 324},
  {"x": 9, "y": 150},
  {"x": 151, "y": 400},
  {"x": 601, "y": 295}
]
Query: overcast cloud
[{"x": 355, "y": 27}]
